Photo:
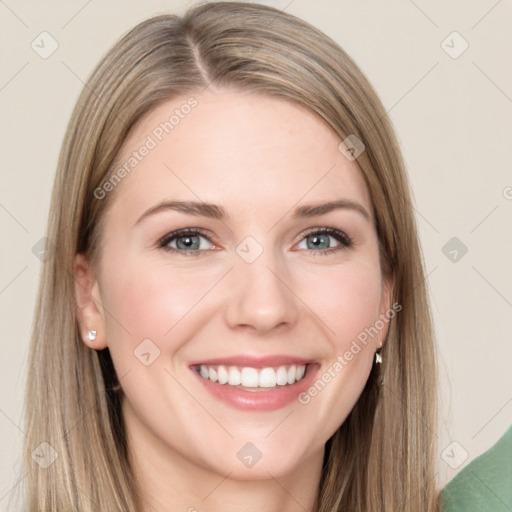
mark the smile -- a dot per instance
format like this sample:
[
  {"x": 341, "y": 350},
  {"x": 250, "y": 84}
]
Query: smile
[
  {"x": 258, "y": 384},
  {"x": 248, "y": 377}
]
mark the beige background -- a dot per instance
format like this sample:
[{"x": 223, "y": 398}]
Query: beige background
[{"x": 454, "y": 120}]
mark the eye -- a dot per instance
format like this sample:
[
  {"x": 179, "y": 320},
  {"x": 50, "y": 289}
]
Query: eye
[
  {"x": 194, "y": 241},
  {"x": 189, "y": 240},
  {"x": 325, "y": 241}
]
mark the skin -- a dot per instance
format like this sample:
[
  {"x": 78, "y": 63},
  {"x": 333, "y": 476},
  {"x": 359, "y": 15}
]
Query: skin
[{"x": 259, "y": 158}]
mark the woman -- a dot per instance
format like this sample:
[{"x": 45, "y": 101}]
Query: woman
[{"x": 235, "y": 315}]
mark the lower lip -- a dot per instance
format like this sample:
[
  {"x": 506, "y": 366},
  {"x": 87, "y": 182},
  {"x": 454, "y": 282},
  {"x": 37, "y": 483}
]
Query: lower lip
[{"x": 268, "y": 400}]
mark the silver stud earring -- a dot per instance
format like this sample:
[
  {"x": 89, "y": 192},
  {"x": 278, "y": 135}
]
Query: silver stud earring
[
  {"x": 378, "y": 357},
  {"x": 91, "y": 335}
]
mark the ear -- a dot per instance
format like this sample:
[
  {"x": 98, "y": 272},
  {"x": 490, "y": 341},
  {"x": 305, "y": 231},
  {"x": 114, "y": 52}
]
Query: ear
[
  {"x": 89, "y": 309},
  {"x": 386, "y": 312}
]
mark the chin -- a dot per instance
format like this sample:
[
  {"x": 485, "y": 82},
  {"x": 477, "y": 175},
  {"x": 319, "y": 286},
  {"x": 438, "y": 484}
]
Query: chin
[{"x": 260, "y": 461}]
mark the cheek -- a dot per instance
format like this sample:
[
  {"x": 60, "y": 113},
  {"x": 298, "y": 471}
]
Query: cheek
[
  {"x": 149, "y": 302},
  {"x": 152, "y": 315},
  {"x": 346, "y": 299}
]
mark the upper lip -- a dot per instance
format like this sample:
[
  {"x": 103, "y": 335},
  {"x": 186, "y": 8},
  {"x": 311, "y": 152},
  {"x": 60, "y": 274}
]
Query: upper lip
[{"x": 254, "y": 361}]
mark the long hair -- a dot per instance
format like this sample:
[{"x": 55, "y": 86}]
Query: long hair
[{"x": 382, "y": 457}]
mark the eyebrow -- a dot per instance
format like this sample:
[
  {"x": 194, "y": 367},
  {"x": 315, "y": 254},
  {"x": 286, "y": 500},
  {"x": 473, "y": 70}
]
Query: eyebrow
[
  {"x": 218, "y": 212},
  {"x": 310, "y": 210}
]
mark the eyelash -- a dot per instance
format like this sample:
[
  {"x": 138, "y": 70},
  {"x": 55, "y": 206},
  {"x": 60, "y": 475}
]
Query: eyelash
[{"x": 344, "y": 240}]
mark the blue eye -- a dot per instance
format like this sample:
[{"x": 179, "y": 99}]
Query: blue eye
[
  {"x": 190, "y": 241},
  {"x": 193, "y": 241},
  {"x": 325, "y": 241}
]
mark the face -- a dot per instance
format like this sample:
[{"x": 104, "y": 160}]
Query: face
[{"x": 239, "y": 265}]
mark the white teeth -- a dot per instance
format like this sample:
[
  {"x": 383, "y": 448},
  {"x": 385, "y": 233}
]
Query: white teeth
[
  {"x": 249, "y": 377},
  {"x": 291, "y": 374},
  {"x": 281, "y": 376},
  {"x": 212, "y": 374},
  {"x": 253, "y": 377},
  {"x": 234, "y": 377},
  {"x": 268, "y": 378},
  {"x": 222, "y": 374}
]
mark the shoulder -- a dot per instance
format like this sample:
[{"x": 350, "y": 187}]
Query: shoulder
[{"x": 485, "y": 484}]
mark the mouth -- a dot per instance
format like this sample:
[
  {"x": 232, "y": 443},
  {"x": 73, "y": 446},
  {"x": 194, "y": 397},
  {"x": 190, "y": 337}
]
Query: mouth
[
  {"x": 253, "y": 379},
  {"x": 256, "y": 384}
]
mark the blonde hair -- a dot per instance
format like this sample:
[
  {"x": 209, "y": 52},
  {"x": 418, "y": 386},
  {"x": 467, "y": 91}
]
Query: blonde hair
[{"x": 382, "y": 456}]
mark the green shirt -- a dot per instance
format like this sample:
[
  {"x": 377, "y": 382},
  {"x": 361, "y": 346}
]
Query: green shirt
[{"x": 485, "y": 485}]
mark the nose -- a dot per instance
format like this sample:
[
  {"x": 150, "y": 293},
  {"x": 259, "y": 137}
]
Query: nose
[{"x": 261, "y": 298}]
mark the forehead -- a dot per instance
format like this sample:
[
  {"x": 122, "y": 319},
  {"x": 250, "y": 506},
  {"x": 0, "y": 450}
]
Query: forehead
[{"x": 234, "y": 148}]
